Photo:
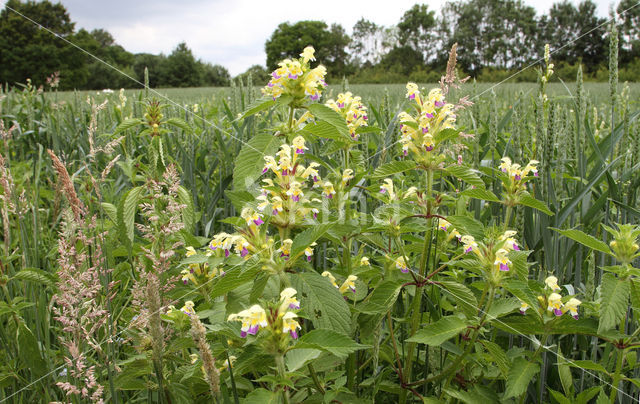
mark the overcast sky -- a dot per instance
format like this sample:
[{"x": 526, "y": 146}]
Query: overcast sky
[{"x": 232, "y": 33}]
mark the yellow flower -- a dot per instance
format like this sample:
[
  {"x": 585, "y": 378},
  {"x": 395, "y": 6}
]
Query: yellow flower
[
  {"x": 555, "y": 304},
  {"x": 346, "y": 176},
  {"x": 402, "y": 265},
  {"x": 285, "y": 248},
  {"x": 298, "y": 144},
  {"x": 252, "y": 319},
  {"x": 328, "y": 274},
  {"x": 308, "y": 54},
  {"x": 309, "y": 251},
  {"x": 502, "y": 262},
  {"x": 364, "y": 261},
  {"x": 188, "y": 308},
  {"x": 287, "y": 297},
  {"x": 387, "y": 188},
  {"x": 552, "y": 283},
  {"x": 328, "y": 190},
  {"x": 289, "y": 324},
  {"x": 572, "y": 307},
  {"x": 413, "y": 92},
  {"x": 349, "y": 284}
]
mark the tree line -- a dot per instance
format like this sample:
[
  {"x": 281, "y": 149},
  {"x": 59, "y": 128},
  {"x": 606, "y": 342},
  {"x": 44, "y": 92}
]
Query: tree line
[
  {"x": 495, "y": 39},
  {"x": 27, "y": 51}
]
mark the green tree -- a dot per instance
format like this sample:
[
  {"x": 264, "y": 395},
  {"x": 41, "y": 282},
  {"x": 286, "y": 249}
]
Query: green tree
[
  {"x": 563, "y": 27},
  {"x": 153, "y": 63},
  {"x": 259, "y": 75},
  {"x": 417, "y": 30},
  {"x": 30, "y": 52},
  {"x": 629, "y": 30},
  {"x": 366, "y": 46},
  {"x": 181, "y": 68},
  {"x": 214, "y": 75},
  {"x": 330, "y": 44}
]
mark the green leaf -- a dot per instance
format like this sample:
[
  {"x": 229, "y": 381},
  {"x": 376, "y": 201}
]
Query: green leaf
[
  {"x": 584, "y": 239},
  {"x": 327, "y": 131},
  {"x": 188, "y": 212},
  {"x": 521, "y": 290},
  {"x": 502, "y": 307},
  {"x": 30, "y": 351},
  {"x": 389, "y": 169},
  {"x": 127, "y": 211},
  {"x": 298, "y": 357},
  {"x": 127, "y": 124},
  {"x": 527, "y": 200},
  {"x": 111, "y": 211},
  {"x": 324, "y": 113},
  {"x": 258, "y": 105},
  {"x": 564, "y": 371},
  {"x": 322, "y": 302},
  {"x": 480, "y": 193},
  {"x": 239, "y": 198},
  {"x": 381, "y": 299},
  {"x": 262, "y": 396},
  {"x": 36, "y": 275},
  {"x": 467, "y": 225},
  {"x": 479, "y": 395},
  {"x": 436, "y": 333},
  {"x": 589, "y": 365},
  {"x": 498, "y": 356},
  {"x": 179, "y": 123},
  {"x": 304, "y": 239},
  {"x": 250, "y": 160},
  {"x": 559, "y": 397},
  {"x": 614, "y": 298},
  {"x": 463, "y": 296},
  {"x": 465, "y": 174},
  {"x": 520, "y": 375},
  {"x": 234, "y": 278},
  {"x": 329, "y": 341}
]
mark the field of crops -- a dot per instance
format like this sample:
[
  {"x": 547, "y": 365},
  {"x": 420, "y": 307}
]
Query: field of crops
[{"x": 366, "y": 243}]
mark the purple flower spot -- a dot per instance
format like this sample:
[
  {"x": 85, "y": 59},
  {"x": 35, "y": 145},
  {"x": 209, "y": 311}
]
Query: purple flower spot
[
  {"x": 185, "y": 281},
  {"x": 275, "y": 212},
  {"x": 314, "y": 97},
  {"x": 468, "y": 250},
  {"x": 517, "y": 177},
  {"x": 557, "y": 312},
  {"x": 293, "y": 76},
  {"x": 315, "y": 178},
  {"x": 309, "y": 258},
  {"x": 258, "y": 222},
  {"x": 404, "y": 270},
  {"x": 275, "y": 75},
  {"x": 365, "y": 117},
  {"x": 575, "y": 316},
  {"x": 425, "y": 130},
  {"x": 515, "y": 247},
  {"x": 243, "y": 334},
  {"x": 383, "y": 191},
  {"x": 429, "y": 115},
  {"x": 428, "y": 148},
  {"x": 439, "y": 104},
  {"x": 253, "y": 330},
  {"x": 244, "y": 252},
  {"x": 265, "y": 170},
  {"x": 523, "y": 312},
  {"x": 294, "y": 306},
  {"x": 535, "y": 174},
  {"x": 226, "y": 253},
  {"x": 504, "y": 267},
  {"x": 330, "y": 196},
  {"x": 191, "y": 270},
  {"x": 295, "y": 198},
  {"x": 270, "y": 84},
  {"x": 299, "y": 151},
  {"x": 412, "y": 97},
  {"x": 294, "y": 334}
]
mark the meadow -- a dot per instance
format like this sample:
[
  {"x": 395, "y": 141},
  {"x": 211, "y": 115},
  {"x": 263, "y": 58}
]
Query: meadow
[{"x": 452, "y": 242}]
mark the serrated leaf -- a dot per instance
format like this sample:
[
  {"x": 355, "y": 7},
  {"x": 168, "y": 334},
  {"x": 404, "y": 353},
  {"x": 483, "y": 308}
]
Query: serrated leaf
[
  {"x": 188, "y": 213},
  {"x": 382, "y": 298},
  {"x": 262, "y": 396},
  {"x": 520, "y": 375},
  {"x": 127, "y": 124},
  {"x": 498, "y": 356},
  {"x": 467, "y": 225},
  {"x": 479, "y": 193},
  {"x": 323, "y": 303},
  {"x": 36, "y": 275},
  {"x": 30, "y": 351},
  {"x": 179, "y": 123},
  {"x": 326, "y": 130},
  {"x": 239, "y": 198},
  {"x": 258, "y": 105},
  {"x": 127, "y": 211},
  {"x": 329, "y": 341},
  {"x": 395, "y": 167},
  {"x": 465, "y": 174},
  {"x": 436, "y": 333},
  {"x": 527, "y": 200},
  {"x": 298, "y": 357},
  {"x": 479, "y": 395},
  {"x": 111, "y": 211},
  {"x": 465, "y": 299},
  {"x": 250, "y": 160},
  {"x": 564, "y": 372},
  {"x": 584, "y": 239},
  {"x": 589, "y": 365},
  {"x": 323, "y": 113},
  {"x": 306, "y": 238},
  {"x": 614, "y": 298},
  {"x": 235, "y": 277},
  {"x": 521, "y": 290},
  {"x": 502, "y": 307}
]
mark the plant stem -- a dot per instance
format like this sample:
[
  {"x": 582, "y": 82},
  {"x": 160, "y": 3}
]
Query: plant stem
[
  {"x": 416, "y": 304},
  {"x": 281, "y": 372},
  {"x": 619, "y": 361},
  {"x": 507, "y": 217},
  {"x": 314, "y": 376}
]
